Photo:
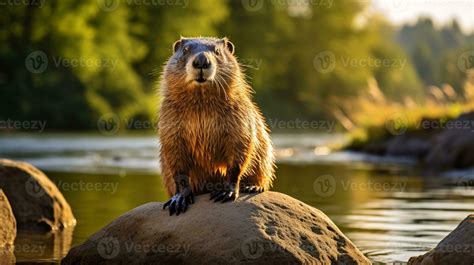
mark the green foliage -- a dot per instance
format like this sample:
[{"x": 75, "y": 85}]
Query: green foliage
[
  {"x": 116, "y": 52},
  {"x": 120, "y": 47},
  {"x": 66, "y": 94}
]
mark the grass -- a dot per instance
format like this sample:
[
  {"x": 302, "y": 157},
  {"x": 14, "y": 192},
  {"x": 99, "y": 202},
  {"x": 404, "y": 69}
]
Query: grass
[{"x": 374, "y": 117}]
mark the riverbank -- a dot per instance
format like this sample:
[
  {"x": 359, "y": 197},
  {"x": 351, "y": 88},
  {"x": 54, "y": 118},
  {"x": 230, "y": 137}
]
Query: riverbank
[{"x": 437, "y": 143}]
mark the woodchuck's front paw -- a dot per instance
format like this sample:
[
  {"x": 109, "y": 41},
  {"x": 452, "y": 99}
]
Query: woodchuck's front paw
[
  {"x": 183, "y": 197},
  {"x": 228, "y": 193},
  {"x": 180, "y": 201}
]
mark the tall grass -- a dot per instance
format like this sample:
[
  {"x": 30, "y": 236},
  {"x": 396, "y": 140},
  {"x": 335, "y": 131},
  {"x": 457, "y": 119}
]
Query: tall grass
[{"x": 372, "y": 116}]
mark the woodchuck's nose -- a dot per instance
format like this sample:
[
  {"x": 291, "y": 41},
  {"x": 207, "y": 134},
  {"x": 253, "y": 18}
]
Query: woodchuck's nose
[{"x": 201, "y": 61}]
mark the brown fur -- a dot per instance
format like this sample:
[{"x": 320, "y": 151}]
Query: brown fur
[{"x": 206, "y": 130}]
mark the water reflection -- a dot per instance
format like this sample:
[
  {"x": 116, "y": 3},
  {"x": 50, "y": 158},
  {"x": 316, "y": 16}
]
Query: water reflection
[
  {"x": 42, "y": 247},
  {"x": 391, "y": 213}
]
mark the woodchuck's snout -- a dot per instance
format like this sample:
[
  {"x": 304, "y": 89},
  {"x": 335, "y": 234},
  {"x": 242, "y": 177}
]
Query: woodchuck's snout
[
  {"x": 201, "y": 61},
  {"x": 213, "y": 137},
  {"x": 203, "y": 68}
]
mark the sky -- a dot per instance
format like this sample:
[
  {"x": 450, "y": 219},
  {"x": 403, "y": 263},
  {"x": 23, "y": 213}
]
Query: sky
[{"x": 441, "y": 11}]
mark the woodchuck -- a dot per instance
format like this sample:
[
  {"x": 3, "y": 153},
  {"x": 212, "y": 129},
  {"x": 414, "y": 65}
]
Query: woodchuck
[{"x": 213, "y": 137}]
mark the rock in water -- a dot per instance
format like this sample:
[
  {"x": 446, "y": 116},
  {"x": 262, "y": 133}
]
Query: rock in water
[
  {"x": 37, "y": 203},
  {"x": 455, "y": 248},
  {"x": 7, "y": 231},
  {"x": 453, "y": 147},
  {"x": 268, "y": 228},
  {"x": 8, "y": 227}
]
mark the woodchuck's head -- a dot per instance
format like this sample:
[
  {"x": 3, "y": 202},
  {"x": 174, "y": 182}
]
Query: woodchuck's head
[{"x": 206, "y": 63}]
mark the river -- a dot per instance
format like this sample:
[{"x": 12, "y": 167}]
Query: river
[{"x": 388, "y": 207}]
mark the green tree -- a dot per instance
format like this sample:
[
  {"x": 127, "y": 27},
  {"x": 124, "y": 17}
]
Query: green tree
[
  {"x": 100, "y": 57},
  {"x": 431, "y": 50}
]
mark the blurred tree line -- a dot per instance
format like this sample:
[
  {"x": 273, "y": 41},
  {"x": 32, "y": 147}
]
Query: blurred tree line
[
  {"x": 105, "y": 56},
  {"x": 435, "y": 51}
]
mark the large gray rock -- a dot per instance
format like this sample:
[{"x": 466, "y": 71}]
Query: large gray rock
[
  {"x": 414, "y": 145},
  {"x": 454, "y": 147},
  {"x": 455, "y": 248},
  {"x": 268, "y": 228},
  {"x": 37, "y": 203},
  {"x": 7, "y": 231},
  {"x": 439, "y": 146}
]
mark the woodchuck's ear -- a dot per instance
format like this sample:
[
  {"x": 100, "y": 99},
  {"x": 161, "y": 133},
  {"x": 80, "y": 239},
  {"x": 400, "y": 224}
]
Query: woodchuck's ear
[
  {"x": 229, "y": 45},
  {"x": 177, "y": 45}
]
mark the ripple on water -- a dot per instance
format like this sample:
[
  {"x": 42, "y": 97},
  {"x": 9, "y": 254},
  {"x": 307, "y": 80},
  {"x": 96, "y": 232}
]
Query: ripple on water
[{"x": 391, "y": 230}]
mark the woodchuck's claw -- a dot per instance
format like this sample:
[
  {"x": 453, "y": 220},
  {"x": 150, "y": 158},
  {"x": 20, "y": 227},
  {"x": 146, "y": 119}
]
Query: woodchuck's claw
[
  {"x": 179, "y": 203},
  {"x": 252, "y": 189},
  {"x": 224, "y": 196},
  {"x": 214, "y": 194},
  {"x": 220, "y": 196},
  {"x": 167, "y": 203},
  {"x": 230, "y": 196}
]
